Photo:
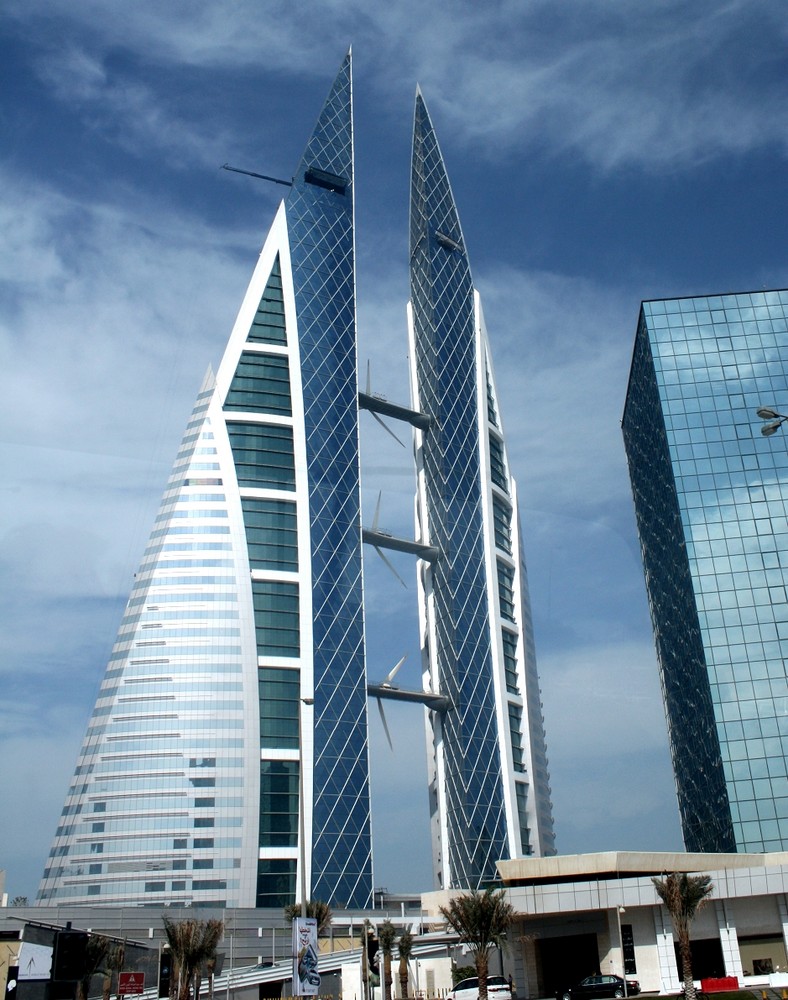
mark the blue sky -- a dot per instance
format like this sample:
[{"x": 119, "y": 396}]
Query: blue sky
[{"x": 600, "y": 154}]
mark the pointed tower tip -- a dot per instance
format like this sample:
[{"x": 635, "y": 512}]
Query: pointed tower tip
[
  {"x": 420, "y": 103},
  {"x": 330, "y": 147}
]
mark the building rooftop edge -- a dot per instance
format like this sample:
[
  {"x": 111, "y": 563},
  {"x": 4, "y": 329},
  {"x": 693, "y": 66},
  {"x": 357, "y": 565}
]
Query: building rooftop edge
[{"x": 629, "y": 863}]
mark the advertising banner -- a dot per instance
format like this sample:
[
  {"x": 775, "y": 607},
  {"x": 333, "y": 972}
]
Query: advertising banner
[
  {"x": 35, "y": 961},
  {"x": 306, "y": 980}
]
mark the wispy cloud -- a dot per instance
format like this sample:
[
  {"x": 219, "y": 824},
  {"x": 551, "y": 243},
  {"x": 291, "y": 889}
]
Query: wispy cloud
[
  {"x": 121, "y": 277},
  {"x": 81, "y": 321},
  {"x": 659, "y": 86}
]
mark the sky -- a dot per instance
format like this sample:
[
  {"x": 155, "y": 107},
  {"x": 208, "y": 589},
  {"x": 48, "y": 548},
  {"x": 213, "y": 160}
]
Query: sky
[{"x": 600, "y": 154}]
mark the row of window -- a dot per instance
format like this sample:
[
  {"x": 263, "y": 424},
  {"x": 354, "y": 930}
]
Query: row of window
[
  {"x": 263, "y": 455},
  {"x": 502, "y": 524},
  {"x": 177, "y": 885},
  {"x": 271, "y": 534},
  {"x": 774, "y": 297},
  {"x": 261, "y": 384},
  {"x": 506, "y": 591},
  {"x": 280, "y": 691},
  {"x": 268, "y": 325},
  {"x": 279, "y": 799},
  {"x": 497, "y": 464},
  {"x": 277, "y": 617}
]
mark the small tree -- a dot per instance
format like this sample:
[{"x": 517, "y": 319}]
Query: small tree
[
  {"x": 314, "y": 908},
  {"x": 684, "y": 895},
  {"x": 481, "y": 919},
  {"x": 96, "y": 948},
  {"x": 210, "y": 968},
  {"x": 405, "y": 945},
  {"x": 460, "y": 972},
  {"x": 387, "y": 935},
  {"x": 191, "y": 942},
  {"x": 113, "y": 962}
]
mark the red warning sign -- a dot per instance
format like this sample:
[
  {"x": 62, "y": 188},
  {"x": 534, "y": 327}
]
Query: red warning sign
[{"x": 131, "y": 983}]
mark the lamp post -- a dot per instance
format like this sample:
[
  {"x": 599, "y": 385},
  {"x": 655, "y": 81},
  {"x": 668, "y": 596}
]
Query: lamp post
[
  {"x": 775, "y": 420},
  {"x": 302, "y": 803},
  {"x": 619, "y": 911}
]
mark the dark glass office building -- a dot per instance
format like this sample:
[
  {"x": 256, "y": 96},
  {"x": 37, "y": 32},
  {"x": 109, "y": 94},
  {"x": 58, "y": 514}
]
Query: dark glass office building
[
  {"x": 488, "y": 777},
  {"x": 710, "y": 498}
]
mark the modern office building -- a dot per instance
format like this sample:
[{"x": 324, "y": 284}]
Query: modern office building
[
  {"x": 710, "y": 498},
  {"x": 236, "y": 691},
  {"x": 489, "y": 791},
  {"x": 237, "y": 685}
]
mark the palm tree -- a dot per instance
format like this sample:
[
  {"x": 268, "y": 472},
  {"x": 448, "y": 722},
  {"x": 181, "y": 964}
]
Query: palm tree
[
  {"x": 314, "y": 908},
  {"x": 405, "y": 951},
  {"x": 481, "y": 918},
  {"x": 191, "y": 942},
  {"x": 210, "y": 968},
  {"x": 684, "y": 895},
  {"x": 96, "y": 948},
  {"x": 114, "y": 962},
  {"x": 387, "y": 935}
]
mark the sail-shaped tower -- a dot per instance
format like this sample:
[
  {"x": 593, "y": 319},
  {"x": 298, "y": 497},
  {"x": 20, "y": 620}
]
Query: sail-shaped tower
[
  {"x": 489, "y": 790},
  {"x": 236, "y": 689}
]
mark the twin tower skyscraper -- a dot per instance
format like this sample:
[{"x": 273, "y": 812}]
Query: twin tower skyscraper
[{"x": 226, "y": 762}]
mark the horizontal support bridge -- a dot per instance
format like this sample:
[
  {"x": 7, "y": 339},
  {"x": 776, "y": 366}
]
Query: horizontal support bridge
[
  {"x": 376, "y": 404},
  {"x": 434, "y": 702},
  {"x": 382, "y": 540}
]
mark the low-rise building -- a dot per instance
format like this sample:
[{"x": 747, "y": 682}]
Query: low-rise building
[{"x": 581, "y": 914}]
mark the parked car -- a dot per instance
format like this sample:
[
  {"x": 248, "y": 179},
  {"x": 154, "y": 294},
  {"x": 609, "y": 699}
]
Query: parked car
[
  {"x": 468, "y": 989},
  {"x": 600, "y": 986}
]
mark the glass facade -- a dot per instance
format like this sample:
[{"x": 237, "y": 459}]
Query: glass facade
[
  {"x": 241, "y": 657},
  {"x": 320, "y": 222},
  {"x": 483, "y": 746},
  {"x": 710, "y": 499}
]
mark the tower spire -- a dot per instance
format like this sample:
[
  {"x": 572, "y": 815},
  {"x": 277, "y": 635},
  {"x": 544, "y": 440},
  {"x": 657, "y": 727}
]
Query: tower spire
[{"x": 488, "y": 778}]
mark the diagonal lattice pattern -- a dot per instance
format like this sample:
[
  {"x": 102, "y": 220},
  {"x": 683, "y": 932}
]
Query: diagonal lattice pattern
[
  {"x": 320, "y": 225},
  {"x": 445, "y": 336}
]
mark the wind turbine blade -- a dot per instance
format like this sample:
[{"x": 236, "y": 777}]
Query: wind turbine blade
[
  {"x": 392, "y": 673},
  {"x": 386, "y": 561},
  {"x": 369, "y": 379},
  {"x": 377, "y": 512},
  {"x": 385, "y": 724},
  {"x": 386, "y": 428}
]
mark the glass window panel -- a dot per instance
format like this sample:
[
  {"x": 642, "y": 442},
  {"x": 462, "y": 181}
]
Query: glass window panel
[{"x": 271, "y": 534}]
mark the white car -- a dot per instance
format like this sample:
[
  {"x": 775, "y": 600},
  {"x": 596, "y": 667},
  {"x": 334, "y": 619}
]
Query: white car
[{"x": 468, "y": 989}]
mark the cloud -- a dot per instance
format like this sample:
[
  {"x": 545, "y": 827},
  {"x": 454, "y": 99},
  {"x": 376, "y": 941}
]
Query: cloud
[
  {"x": 36, "y": 774},
  {"x": 131, "y": 113},
  {"x": 660, "y": 86},
  {"x": 608, "y": 749},
  {"x": 400, "y": 806},
  {"x": 561, "y": 350},
  {"x": 606, "y": 695},
  {"x": 108, "y": 311}
]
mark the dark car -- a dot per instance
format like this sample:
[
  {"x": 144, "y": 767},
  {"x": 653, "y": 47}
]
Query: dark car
[{"x": 600, "y": 986}]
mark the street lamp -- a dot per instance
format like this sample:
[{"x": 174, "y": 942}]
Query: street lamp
[
  {"x": 776, "y": 420},
  {"x": 302, "y": 803},
  {"x": 619, "y": 911}
]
